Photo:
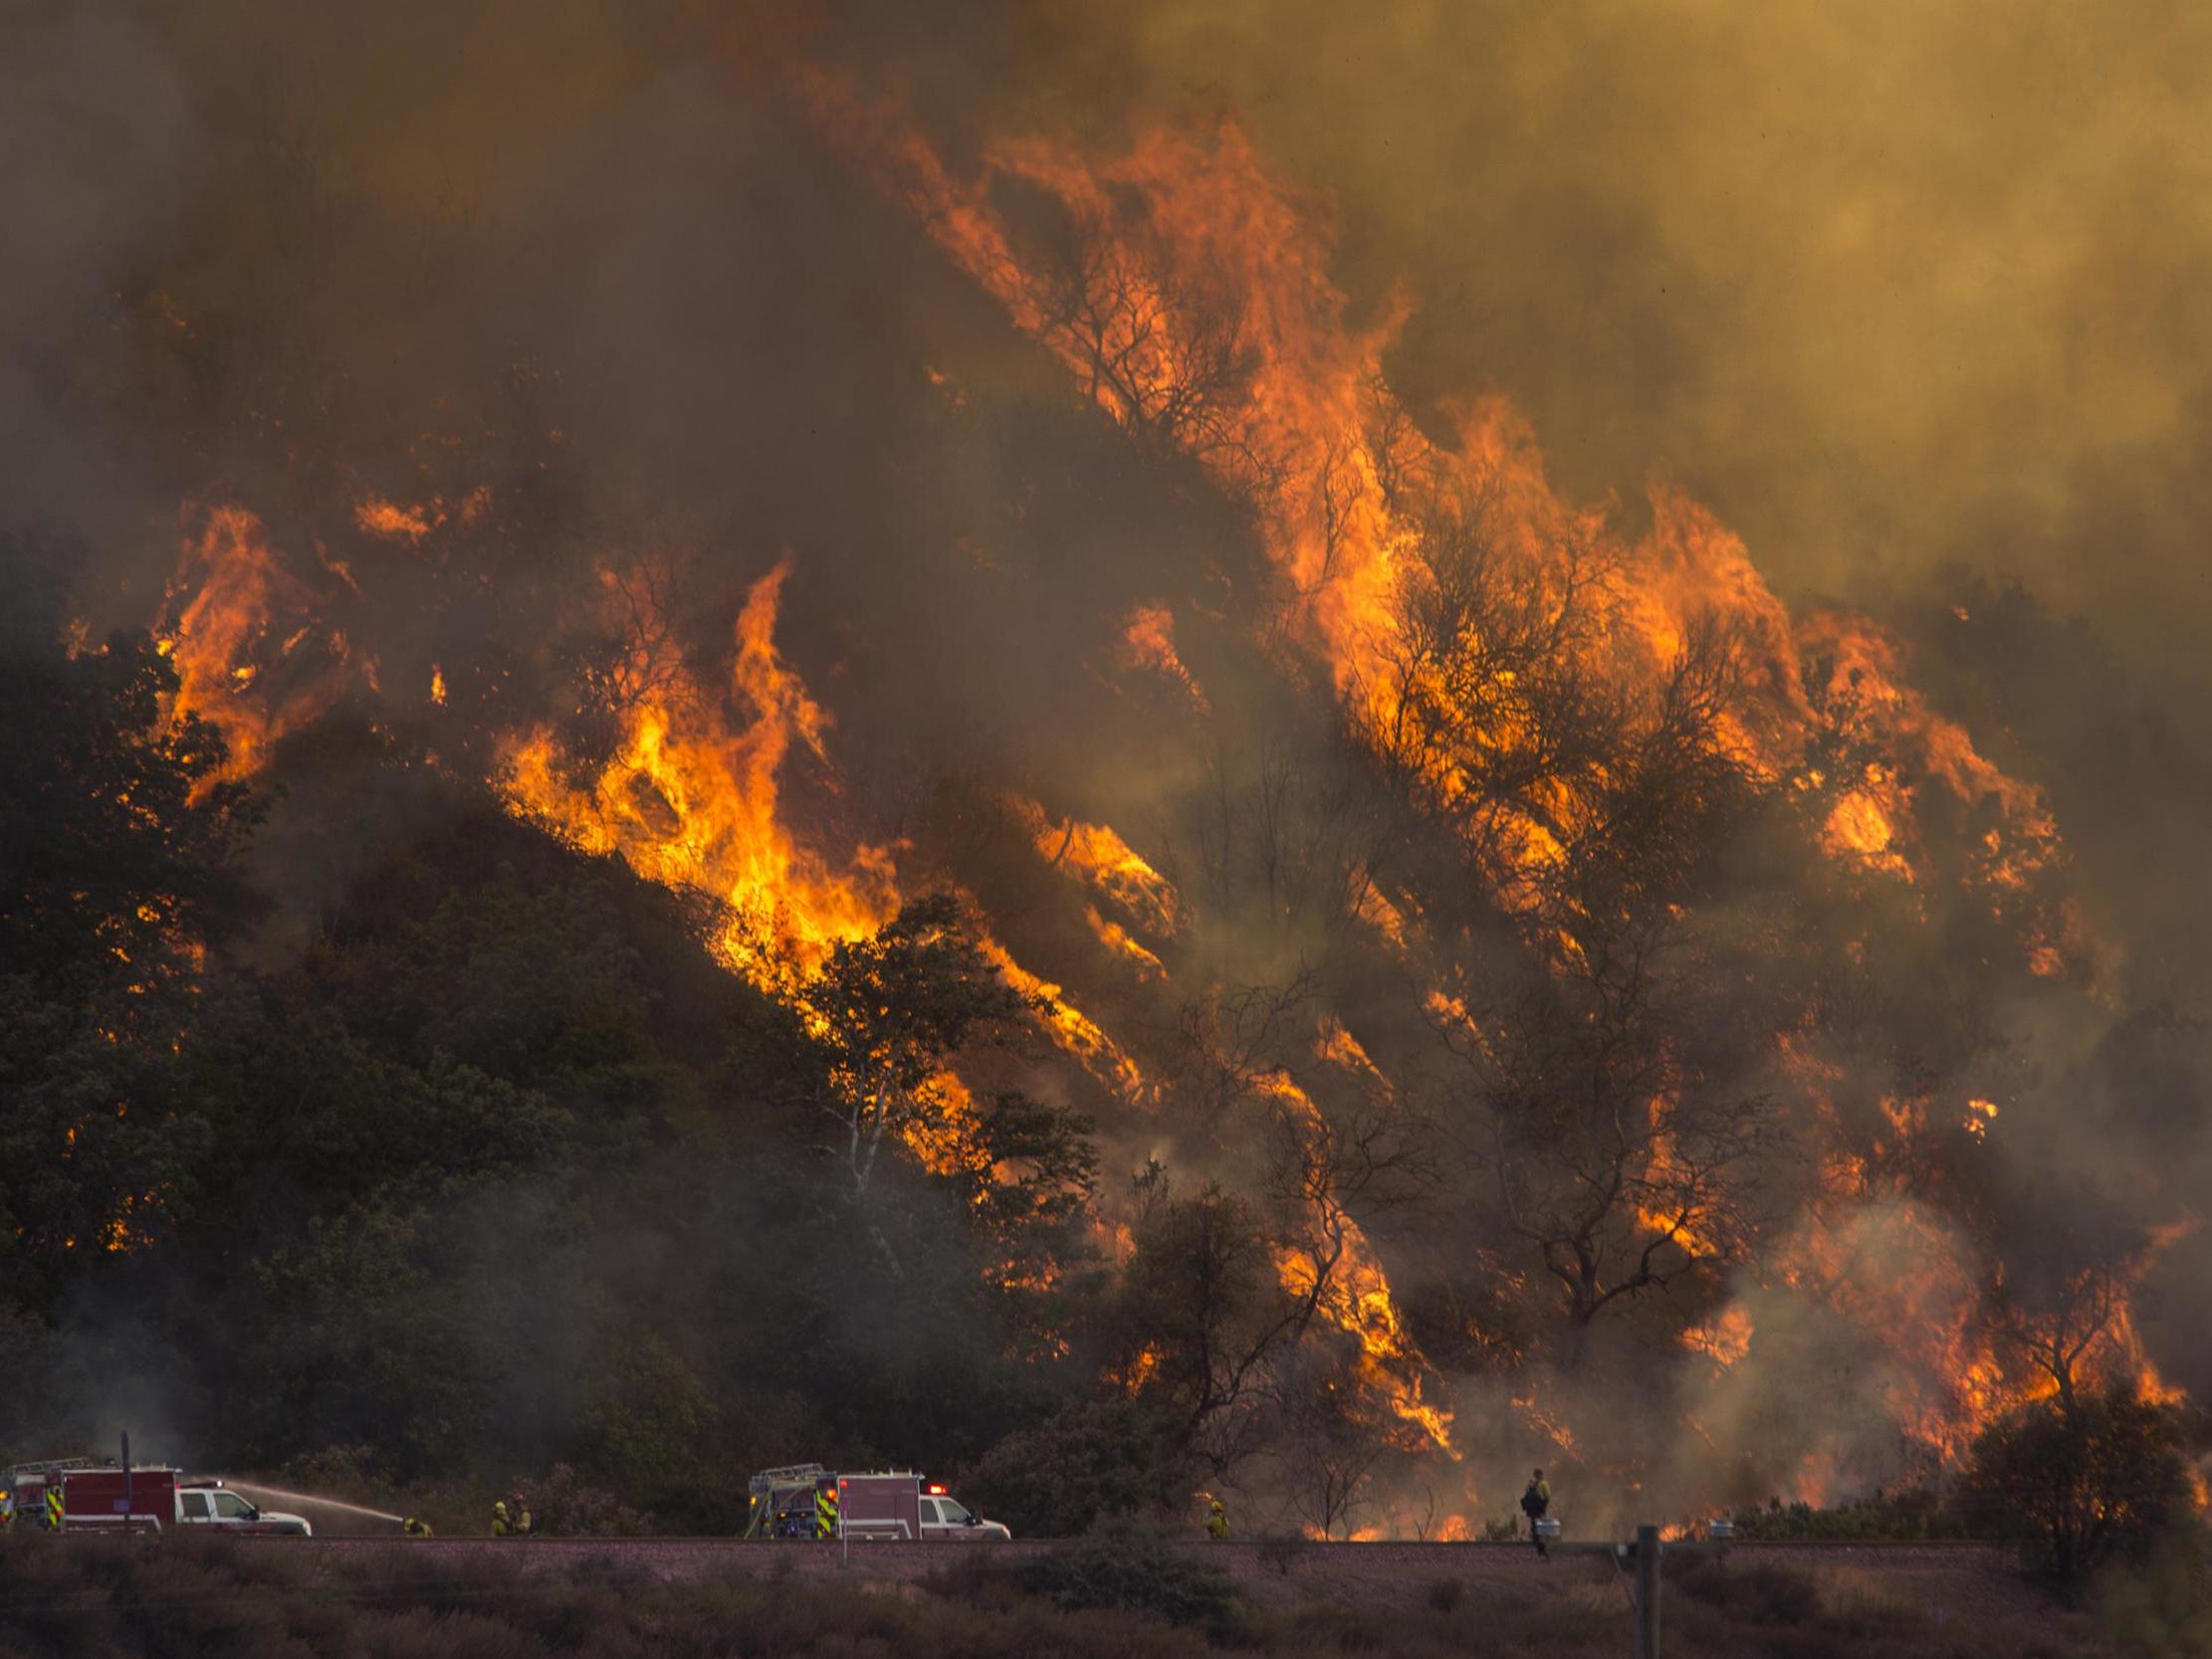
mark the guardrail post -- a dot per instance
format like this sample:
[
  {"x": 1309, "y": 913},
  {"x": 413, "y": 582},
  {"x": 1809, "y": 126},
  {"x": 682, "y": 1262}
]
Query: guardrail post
[{"x": 1647, "y": 1593}]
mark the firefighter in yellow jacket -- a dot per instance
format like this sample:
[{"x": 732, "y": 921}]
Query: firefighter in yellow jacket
[
  {"x": 1536, "y": 1503},
  {"x": 1217, "y": 1521}
]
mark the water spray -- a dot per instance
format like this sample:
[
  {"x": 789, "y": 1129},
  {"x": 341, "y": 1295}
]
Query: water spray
[{"x": 255, "y": 1489}]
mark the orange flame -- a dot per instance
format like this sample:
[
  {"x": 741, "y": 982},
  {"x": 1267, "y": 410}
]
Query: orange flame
[
  {"x": 1351, "y": 1292},
  {"x": 1100, "y": 857},
  {"x": 1198, "y": 314},
  {"x": 248, "y": 614},
  {"x": 393, "y": 522},
  {"x": 1147, "y": 642},
  {"x": 691, "y": 801}
]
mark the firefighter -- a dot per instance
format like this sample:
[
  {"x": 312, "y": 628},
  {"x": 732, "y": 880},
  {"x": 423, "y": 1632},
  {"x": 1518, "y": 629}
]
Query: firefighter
[
  {"x": 1535, "y": 1503},
  {"x": 413, "y": 1527},
  {"x": 520, "y": 1511},
  {"x": 501, "y": 1525},
  {"x": 1217, "y": 1521}
]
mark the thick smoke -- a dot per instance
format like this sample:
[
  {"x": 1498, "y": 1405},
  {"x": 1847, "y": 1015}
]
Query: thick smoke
[
  {"x": 1886, "y": 289},
  {"x": 99, "y": 137}
]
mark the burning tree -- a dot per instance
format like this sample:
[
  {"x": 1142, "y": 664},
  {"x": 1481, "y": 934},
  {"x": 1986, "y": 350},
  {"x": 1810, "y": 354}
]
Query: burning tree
[
  {"x": 890, "y": 1011},
  {"x": 1617, "y": 1162},
  {"x": 117, "y": 845},
  {"x": 1328, "y": 1446}
]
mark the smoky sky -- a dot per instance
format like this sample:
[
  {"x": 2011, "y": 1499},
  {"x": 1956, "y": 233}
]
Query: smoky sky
[
  {"x": 1888, "y": 285},
  {"x": 1891, "y": 287}
]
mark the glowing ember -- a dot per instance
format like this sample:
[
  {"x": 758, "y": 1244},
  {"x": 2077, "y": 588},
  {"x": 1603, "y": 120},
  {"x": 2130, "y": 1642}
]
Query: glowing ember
[{"x": 393, "y": 522}]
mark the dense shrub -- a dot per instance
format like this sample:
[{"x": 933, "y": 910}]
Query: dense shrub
[
  {"x": 1911, "y": 1516},
  {"x": 562, "y": 1505},
  {"x": 1135, "y": 1568},
  {"x": 2080, "y": 1482},
  {"x": 185, "y": 1598},
  {"x": 1752, "y": 1594},
  {"x": 1093, "y": 1461},
  {"x": 2163, "y": 1609}
]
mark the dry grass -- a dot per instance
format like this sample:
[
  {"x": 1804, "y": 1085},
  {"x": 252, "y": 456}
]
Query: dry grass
[
  {"x": 182, "y": 1598},
  {"x": 1867, "y": 1601}
]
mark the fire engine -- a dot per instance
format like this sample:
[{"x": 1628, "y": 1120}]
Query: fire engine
[
  {"x": 806, "y": 1501},
  {"x": 77, "y": 1495}
]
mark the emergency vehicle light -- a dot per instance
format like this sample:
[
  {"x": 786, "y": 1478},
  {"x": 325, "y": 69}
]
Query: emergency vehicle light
[{"x": 936, "y": 1491}]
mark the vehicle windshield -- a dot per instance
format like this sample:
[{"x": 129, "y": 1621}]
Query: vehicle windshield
[
  {"x": 952, "y": 1510},
  {"x": 231, "y": 1505}
]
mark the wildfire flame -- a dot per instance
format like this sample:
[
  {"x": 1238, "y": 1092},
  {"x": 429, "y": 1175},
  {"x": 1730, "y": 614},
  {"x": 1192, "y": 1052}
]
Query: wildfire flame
[
  {"x": 247, "y": 613},
  {"x": 1198, "y": 314},
  {"x": 690, "y": 799},
  {"x": 1147, "y": 642}
]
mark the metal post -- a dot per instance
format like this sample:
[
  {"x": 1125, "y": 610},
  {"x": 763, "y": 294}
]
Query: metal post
[{"x": 1647, "y": 1593}]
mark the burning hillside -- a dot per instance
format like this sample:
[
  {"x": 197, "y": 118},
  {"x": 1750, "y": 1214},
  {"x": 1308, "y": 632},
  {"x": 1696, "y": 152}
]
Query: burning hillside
[{"x": 1460, "y": 974}]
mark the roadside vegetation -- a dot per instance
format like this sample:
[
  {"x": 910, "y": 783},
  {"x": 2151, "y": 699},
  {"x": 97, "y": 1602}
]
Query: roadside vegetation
[{"x": 1097, "y": 1601}]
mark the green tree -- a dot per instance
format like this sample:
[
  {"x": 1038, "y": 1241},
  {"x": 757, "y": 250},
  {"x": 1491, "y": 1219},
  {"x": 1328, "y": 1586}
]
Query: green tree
[
  {"x": 2084, "y": 1483},
  {"x": 1091, "y": 1461},
  {"x": 359, "y": 1334},
  {"x": 110, "y": 877},
  {"x": 893, "y": 1009},
  {"x": 1204, "y": 1319}
]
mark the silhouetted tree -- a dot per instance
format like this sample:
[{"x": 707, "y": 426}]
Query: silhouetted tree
[{"x": 2084, "y": 1481}]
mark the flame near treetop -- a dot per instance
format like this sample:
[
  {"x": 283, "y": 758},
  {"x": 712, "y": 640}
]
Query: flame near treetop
[
  {"x": 249, "y": 620},
  {"x": 1198, "y": 312},
  {"x": 691, "y": 801}
]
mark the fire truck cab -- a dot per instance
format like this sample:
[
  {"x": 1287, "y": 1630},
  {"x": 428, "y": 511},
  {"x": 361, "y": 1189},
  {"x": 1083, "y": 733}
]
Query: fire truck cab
[
  {"x": 806, "y": 1501},
  {"x": 898, "y": 1504}
]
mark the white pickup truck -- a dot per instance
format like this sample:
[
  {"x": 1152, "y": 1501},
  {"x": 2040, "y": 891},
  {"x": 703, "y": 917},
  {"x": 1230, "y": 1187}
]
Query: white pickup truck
[{"x": 212, "y": 1504}]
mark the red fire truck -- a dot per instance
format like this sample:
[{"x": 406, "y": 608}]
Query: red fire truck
[
  {"x": 806, "y": 1501},
  {"x": 76, "y": 1494}
]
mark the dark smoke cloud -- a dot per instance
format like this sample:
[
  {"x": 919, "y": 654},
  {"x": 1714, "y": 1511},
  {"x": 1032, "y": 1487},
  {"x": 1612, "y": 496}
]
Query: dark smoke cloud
[{"x": 99, "y": 144}]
